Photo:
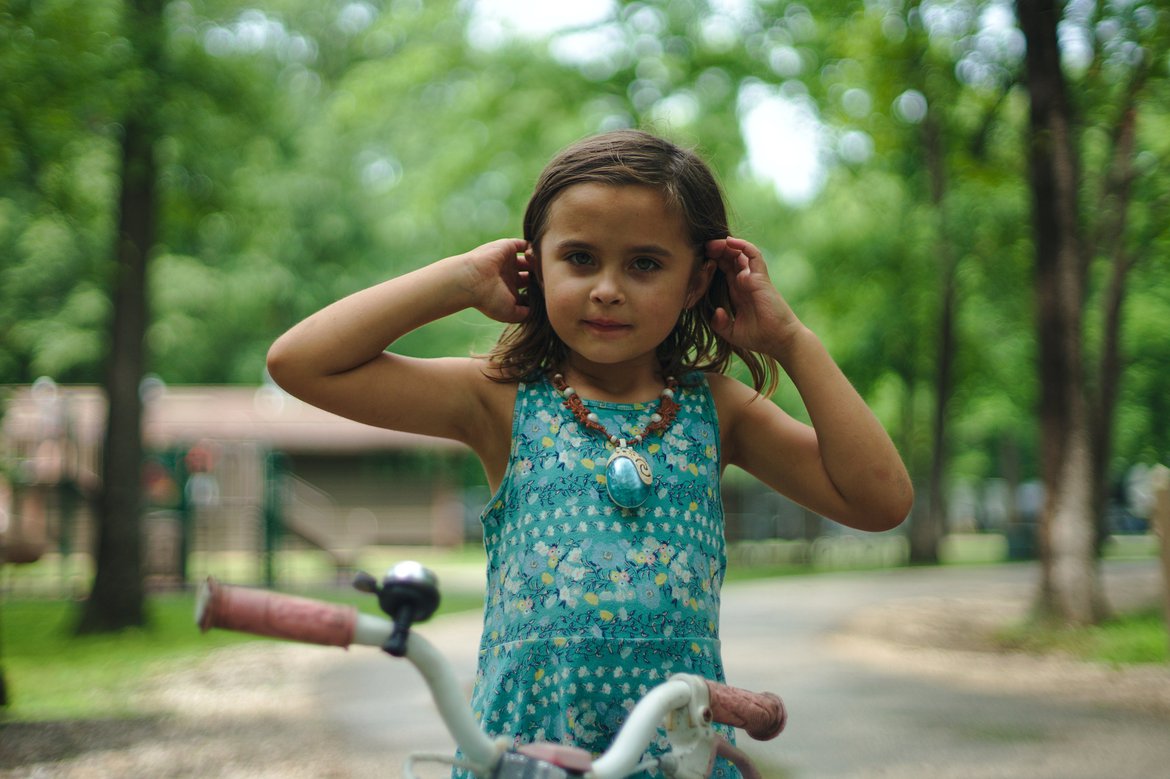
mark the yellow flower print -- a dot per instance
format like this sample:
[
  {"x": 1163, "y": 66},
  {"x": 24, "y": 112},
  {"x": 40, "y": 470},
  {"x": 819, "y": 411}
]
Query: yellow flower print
[
  {"x": 587, "y": 463},
  {"x": 546, "y": 442},
  {"x": 591, "y": 598},
  {"x": 694, "y": 506},
  {"x": 538, "y": 675},
  {"x": 694, "y": 469},
  {"x": 606, "y": 615},
  {"x": 653, "y": 448},
  {"x": 546, "y": 577},
  {"x": 660, "y": 579}
]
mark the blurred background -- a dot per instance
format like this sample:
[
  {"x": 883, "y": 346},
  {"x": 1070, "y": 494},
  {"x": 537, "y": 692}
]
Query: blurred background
[{"x": 966, "y": 200}]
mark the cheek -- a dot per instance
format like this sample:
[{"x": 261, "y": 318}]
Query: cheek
[{"x": 560, "y": 303}]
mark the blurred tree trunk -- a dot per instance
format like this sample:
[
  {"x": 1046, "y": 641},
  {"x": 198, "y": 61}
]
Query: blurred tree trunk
[
  {"x": 1116, "y": 198},
  {"x": 1070, "y": 586},
  {"x": 117, "y": 598},
  {"x": 927, "y": 529}
]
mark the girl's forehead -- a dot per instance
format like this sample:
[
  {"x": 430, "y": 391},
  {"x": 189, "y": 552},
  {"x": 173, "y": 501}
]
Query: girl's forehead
[{"x": 598, "y": 205}]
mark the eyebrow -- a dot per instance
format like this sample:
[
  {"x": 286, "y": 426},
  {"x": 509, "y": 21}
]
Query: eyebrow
[{"x": 647, "y": 248}]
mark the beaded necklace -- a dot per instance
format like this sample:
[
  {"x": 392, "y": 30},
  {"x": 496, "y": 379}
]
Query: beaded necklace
[{"x": 628, "y": 477}]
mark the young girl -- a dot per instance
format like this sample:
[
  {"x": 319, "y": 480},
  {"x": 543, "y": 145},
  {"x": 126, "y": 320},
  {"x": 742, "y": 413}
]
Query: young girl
[{"x": 604, "y": 420}]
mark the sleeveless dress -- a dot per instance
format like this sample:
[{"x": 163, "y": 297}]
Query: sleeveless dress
[{"x": 588, "y": 605}]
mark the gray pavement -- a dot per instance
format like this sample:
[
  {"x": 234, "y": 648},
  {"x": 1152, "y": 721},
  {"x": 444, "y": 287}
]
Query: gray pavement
[{"x": 848, "y": 719}]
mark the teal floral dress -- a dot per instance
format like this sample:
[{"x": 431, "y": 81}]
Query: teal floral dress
[{"x": 589, "y": 605}]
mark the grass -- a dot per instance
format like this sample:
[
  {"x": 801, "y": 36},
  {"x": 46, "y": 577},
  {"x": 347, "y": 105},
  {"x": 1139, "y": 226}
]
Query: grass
[
  {"x": 54, "y": 675},
  {"x": 1128, "y": 639}
]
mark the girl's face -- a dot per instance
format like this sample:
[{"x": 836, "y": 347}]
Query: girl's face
[{"x": 617, "y": 268}]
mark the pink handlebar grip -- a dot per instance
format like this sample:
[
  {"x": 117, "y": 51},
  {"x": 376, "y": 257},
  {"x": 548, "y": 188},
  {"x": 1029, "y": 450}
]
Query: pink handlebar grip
[
  {"x": 760, "y": 714},
  {"x": 275, "y": 615}
]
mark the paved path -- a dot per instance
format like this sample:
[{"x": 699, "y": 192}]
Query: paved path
[{"x": 849, "y": 717}]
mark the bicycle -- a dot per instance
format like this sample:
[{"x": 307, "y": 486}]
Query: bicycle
[{"x": 686, "y": 706}]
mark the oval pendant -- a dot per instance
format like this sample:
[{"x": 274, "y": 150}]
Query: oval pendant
[{"x": 628, "y": 478}]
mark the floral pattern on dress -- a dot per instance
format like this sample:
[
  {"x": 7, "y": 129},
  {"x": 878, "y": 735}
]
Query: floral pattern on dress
[{"x": 589, "y": 605}]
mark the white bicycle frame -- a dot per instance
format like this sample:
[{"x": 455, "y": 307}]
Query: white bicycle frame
[{"x": 685, "y": 705}]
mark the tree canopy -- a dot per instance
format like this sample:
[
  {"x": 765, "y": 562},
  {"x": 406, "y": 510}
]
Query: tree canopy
[{"x": 306, "y": 148}]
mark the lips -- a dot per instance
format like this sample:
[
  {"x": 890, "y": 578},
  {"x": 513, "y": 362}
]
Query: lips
[{"x": 606, "y": 325}]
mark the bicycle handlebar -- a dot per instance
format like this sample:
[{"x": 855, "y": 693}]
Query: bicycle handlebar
[
  {"x": 761, "y": 715},
  {"x": 274, "y": 615}
]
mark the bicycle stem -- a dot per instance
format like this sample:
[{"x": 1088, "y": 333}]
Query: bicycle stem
[
  {"x": 642, "y": 725},
  {"x": 371, "y": 630}
]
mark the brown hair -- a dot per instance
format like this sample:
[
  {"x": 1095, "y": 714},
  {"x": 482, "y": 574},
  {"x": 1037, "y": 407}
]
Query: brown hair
[{"x": 624, "y": 158}]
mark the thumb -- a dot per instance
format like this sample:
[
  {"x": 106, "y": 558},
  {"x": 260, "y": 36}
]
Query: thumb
[
  {"x": 519, "y": 313},
  {"x": 723, "y": 323}
]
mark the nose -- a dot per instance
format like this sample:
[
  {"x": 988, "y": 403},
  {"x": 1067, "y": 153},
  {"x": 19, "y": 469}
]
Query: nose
[{"x": 607, "y": 289}]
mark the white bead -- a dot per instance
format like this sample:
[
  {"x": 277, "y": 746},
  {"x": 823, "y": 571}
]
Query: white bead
[
  {"x": 668, "y": 393},
  {"x": 656, "y": 417},
  {"x": 593, "y": 418}
]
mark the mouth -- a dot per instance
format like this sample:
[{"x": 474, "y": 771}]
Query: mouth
[{"x": 605, "y": 325}]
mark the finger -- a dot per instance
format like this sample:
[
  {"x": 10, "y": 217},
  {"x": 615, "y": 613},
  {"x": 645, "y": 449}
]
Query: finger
[
  {"x": 750, "y": 250},
  {"x": 725, "y": 258},
  {"x": 718, "y": 248},
  {"x": 738, "y": 266},
  {"x": 740, "y": 245}
]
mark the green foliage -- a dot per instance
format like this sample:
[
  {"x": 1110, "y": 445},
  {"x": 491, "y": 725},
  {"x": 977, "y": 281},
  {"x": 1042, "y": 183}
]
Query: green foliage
[{"x": 311, "y": 148}]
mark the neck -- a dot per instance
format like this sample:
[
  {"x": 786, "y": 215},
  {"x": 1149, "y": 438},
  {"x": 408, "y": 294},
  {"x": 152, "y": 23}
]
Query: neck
[{"x": 621, "y": 384}]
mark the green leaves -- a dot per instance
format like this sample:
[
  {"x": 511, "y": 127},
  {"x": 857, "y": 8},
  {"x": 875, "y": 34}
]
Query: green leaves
[{"x": 311, "y": 148}]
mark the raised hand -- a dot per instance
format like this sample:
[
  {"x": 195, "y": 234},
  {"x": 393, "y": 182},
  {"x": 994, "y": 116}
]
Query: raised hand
[
  {"x": 498, "y": 272},
  {"x": 762, "y": 321}
]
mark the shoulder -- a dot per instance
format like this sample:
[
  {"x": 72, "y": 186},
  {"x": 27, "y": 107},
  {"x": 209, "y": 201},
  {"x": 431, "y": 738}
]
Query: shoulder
[
  {"x": 731, "y": 396},
  {"x": 487, "y": 427},
  {"x": 492, "y": 393},
  {"x": 749, "y": 421}
]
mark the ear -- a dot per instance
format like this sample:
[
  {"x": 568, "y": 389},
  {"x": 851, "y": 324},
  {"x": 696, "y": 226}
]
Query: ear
[
  {"x": 700, "y": 281},
  {"x": 535, "y": 270}
]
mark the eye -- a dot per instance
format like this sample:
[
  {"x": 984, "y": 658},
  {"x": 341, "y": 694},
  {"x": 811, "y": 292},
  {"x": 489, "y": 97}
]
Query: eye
[
  {"x": 578, "y": 258},
  {"x": 646, "y": 264}
]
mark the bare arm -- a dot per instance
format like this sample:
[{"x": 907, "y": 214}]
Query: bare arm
[
  {"x": 336, "y": 359},
  {"x": 844, "y": 466}
]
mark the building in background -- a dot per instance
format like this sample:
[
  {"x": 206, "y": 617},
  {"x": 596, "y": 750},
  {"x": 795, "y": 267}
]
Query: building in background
[{"x": 229, "y": 470}]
